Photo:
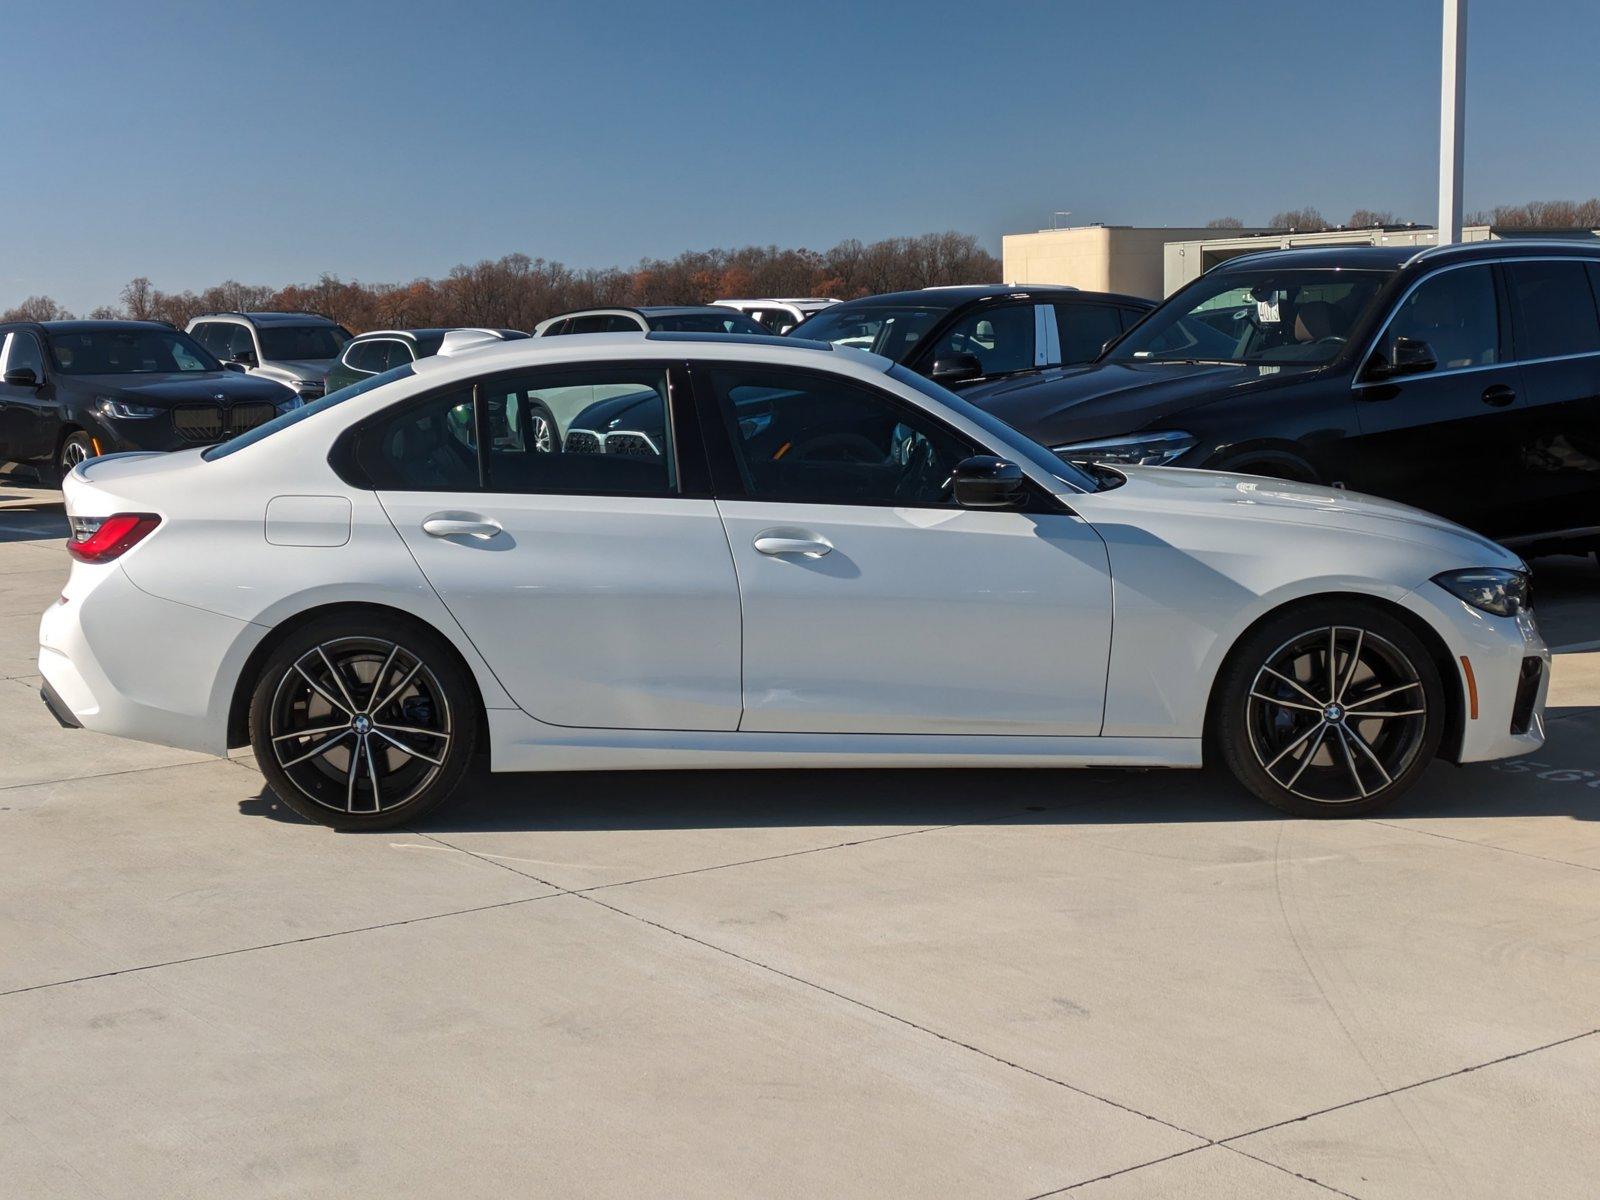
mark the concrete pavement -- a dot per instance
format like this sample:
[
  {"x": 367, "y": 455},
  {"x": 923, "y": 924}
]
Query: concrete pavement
[{"x": 1008, "y": 984}]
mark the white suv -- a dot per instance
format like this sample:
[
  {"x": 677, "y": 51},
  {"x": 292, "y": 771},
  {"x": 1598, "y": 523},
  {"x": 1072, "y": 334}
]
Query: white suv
[
  {"x": 779, "y": 316},
  {"x": 297, "y": 349}
]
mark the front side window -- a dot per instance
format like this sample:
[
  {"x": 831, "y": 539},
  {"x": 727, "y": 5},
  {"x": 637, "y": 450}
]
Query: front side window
[
  {"x": 1455, "y": 314},
  {"x": 24, "y": 352},
  {"x": 129, "y": 352},
  {"x": 817, "y": 439},
  {"x": 290, "y": 342},
  {"x": 1555, "y": 309},
  {"x": 365, "y": 356},
  {"x": 239, "y": 342},
  {"x": 1085, "y": 328},
  {"x": 1303, "y": 316},
  {"x": 395, "y": 354},
  {"x": 1002, "y": 338},
  {"x": 213, "y": 335}
]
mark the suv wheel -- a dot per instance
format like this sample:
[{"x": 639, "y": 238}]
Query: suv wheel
[
  {"x": 361, "y": 727},
  {"x": 1333, "y": 709},
  {"x": 76, "y": 448}
]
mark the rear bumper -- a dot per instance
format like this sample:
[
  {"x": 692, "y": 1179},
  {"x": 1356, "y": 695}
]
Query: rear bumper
[{"x": 58, "y": 707}]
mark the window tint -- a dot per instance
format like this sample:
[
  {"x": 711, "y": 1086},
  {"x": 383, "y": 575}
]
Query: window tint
[
  {"x": 555, "y": 329},
  {"x": 427, "y": 447},
  {"x": 726, "y": 321},
  {"x": 366, "y": 356},
  {"x": 395, "y": 354},
  {"x": 213, "y": 335},
  {"x": 602, "y": 323},
  {"x": 302, "y": 341},
  {"x": 1001, "y": 338},
  {"x": 1085, "y": 328},
  {"x": 24, "y": 351},
  {"x": 811, "y": 438},
  {"x": 239, "y": 342},
  {"x": 1454, "y": 313},
  {"x": 595, "y": 431},
  {"x": 1555, "y": 309}
]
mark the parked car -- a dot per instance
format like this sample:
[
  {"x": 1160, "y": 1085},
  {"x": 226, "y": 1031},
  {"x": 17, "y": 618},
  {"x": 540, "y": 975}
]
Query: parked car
[
  {"x": 1461, "y": 379},
  {"x": 824, "y": 560},
  {"x": 75, "y": 389},
  {"x": 960, "y": 336},
  {"x": 779, "y": 316},
  {"x": 379, "y": 350},
  {"x": 663, "y": 318},
  {"x": 295, "y": 348}
]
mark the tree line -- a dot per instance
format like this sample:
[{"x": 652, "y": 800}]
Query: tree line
[
  {"x": 517, "y": 292},
  {"x": 1537, "y": 214}
]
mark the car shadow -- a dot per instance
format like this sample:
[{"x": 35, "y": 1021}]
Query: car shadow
[{"x": 1554, "y": 783}]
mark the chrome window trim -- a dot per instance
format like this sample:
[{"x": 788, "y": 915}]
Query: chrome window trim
[{"x": 1357, "y": 381}]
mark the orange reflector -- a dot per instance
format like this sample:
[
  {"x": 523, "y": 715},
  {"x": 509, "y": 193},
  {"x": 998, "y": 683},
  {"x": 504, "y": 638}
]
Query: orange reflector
[
  {"x": 95, "y": 442},
  {"x": 782, "y": 450},
  {"x": 1472, "y": 687}
]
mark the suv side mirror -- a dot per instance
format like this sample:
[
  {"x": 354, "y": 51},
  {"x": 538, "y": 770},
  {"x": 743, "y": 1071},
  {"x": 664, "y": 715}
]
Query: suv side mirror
[
  {"x": 984, "y": 481},
  {"x": 22, "y": 377},
  {"x": 234, "y": 365},
  {"x": 1411, "y": 357},
  {"x": 956, "y": 368},
  {"x": 245, "y": 358}
]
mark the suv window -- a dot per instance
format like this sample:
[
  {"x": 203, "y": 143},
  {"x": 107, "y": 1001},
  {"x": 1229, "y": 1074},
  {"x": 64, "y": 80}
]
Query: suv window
[
  {"x": 213, "y": 335},
  {"x": 1555, "y": 309},
  {"x": 239, "y": 342},
  {"x": 366, "y": 356},
  {"x": 1001, "y": 337},
  {"x": 395, "y": 354},
  {"x": 618, "y": 443},
  {"x": 812, "y": 438},
  {"x": 1455, "y": 313},
  {"x": 1085, "y": 328},
  {"x": 24, "y": 351}
]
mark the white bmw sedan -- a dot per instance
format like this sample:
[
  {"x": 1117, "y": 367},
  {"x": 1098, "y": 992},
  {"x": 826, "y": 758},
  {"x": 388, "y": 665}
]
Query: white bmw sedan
[{"x": 755, "y": 552}]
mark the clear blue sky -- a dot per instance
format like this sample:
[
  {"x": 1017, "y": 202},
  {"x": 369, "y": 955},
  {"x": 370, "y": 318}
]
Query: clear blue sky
[{"x": 271, "y": 142}]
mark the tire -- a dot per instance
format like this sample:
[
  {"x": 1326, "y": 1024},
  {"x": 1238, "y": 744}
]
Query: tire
[
  {"x": 76, "y": 447},
  {"x": 1293, "y": 737},
  {"x": 322, "y": 728},
  {"x": 546, "y": 440}
]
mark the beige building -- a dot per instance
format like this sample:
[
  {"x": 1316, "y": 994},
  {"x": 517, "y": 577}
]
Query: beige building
[{"x": 1097, "y": 258}]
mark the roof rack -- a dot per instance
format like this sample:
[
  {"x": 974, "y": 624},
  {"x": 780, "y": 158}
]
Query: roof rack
[
  {"x": 265, "y": 312},
  {"x": 1536, "y": 243}
]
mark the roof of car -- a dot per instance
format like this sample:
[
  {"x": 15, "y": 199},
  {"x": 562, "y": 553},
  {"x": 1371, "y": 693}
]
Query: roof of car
[
  {"x": 90, "y": 326},
  {"x": 1392, "y": 258},
  {"x": 955, "y": 297},
  {"x": 274, "y": 318}
]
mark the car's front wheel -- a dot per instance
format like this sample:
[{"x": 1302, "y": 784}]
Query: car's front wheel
[
  {"x": 1331, "y": 709},
  {"x": 360, "y": 724}
]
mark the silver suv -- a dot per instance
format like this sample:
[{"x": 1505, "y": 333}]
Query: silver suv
[{"x": 295, "y": 349}]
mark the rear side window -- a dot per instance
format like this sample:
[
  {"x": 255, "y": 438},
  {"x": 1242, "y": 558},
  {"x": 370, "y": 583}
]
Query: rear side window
[
  {"x": 1554, "y": 307},
  {"x": 1085, "y": 328}
]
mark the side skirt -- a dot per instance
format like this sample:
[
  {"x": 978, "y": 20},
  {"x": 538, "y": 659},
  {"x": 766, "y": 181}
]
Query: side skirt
[{"x": 518, "y": 743}]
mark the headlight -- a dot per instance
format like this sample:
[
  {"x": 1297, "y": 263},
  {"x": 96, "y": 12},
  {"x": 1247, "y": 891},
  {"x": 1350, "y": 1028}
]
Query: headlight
[
  {"x": 125, "y": 410},
  {"x": 1497, "y": 590},
  {"x": 1137, "y": 449}
]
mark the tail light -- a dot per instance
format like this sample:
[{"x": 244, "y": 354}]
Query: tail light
[{"x": 100, "y": 539}]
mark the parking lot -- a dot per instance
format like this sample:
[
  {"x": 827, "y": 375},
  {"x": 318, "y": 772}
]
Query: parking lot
[{"x": 897, "y": 983}]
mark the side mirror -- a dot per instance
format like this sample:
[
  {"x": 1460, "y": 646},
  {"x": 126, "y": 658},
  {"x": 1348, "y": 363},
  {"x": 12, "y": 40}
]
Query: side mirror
[
  {"x": 956, "y": 368},
  {"x": 984, "y": 481},
  {"x": 1411, "y": 357},
  {"x": 233, "y": 366},
  {"x": 245, "y": 358},
  {"x": 22, "y": 377}
]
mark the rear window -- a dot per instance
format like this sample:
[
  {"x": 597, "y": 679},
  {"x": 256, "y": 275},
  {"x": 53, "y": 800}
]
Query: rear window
[{"x": 296, "y": 415}]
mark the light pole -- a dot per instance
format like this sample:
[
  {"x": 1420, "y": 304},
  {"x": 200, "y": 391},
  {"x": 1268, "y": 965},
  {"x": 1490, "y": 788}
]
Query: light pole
[{"x": 1452, "y": 105}]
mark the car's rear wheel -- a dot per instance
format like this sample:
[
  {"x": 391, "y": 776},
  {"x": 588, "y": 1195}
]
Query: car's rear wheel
[
  {"x": 1331, "y": 709},
  {"x": 362, "y": 724}
]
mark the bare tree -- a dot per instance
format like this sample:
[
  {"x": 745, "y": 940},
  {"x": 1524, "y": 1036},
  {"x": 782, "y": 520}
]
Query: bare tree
[
  {"x": 37, "y": 308},
  {"x": 1225, "y": 223},
  {"x": 1301, "y": 220},
  {"x": 1542, "y": 214},
  {"x": 1366, "y": 218}
]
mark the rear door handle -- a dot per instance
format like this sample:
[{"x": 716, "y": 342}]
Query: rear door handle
[
  {"x": 1499, "y": 396},
  {"x": 792, "y": 541},
  {"x": 443, "y": 525}
]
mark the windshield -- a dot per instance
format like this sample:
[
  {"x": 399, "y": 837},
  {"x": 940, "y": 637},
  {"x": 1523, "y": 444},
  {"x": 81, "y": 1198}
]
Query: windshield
[
  {"x": 295, "y": 415},
  {"x": 891, "y": 330},
  {"x": 1266, "y": 316},
  {"x": 731, "y": 321},
  {"x": 289, "y": 342},
  {"x": 1024, "y": 446},
  {"x": 129, "y": 352}
]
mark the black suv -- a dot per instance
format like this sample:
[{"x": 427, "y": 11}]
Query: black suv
[
  {"x": 75, "y": 389},
  {"x": 961, "y": 335},
  {"x": 1462, "y": 379}
]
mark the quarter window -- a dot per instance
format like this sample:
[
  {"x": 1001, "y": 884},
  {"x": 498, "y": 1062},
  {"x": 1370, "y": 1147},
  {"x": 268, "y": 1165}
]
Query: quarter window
[
  {"x": 1001, "y": 338},
  {"x": 427, "y": 447},
  {"x": 1555, "y": 309},
  {"x": 1454, "y": 312},
  {"x": 1085, "y": 328},
  {"x": 812, "y": 438}
]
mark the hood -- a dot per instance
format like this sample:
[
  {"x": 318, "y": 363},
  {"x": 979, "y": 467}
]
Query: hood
[
  {"x": 314, "y": 369},
  {"x": 188, "y": 387},
  {"x": 1074, "y": 404},
  {"x": 1255, "y": 497}
]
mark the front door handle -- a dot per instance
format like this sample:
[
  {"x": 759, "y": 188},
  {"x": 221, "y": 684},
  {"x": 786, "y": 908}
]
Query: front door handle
[
  {"x": 792, "y": 541},
  {"x": 1499, "y": 396},
  {"x": 443, "y": 525}
]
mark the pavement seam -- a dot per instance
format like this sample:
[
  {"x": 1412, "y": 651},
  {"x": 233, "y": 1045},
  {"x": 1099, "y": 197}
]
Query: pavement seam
[
  {"x": 314, "y": 937},
  {"x": 1482, "y": 845},
  {"x": 1072, "y": 1187},
  {"x": 11, "y": 787}
]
